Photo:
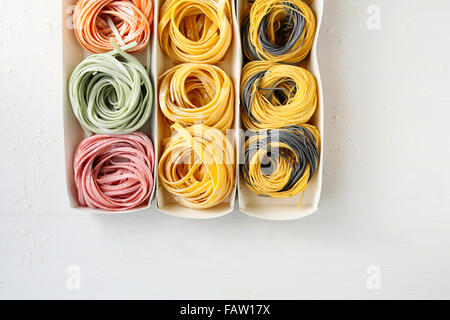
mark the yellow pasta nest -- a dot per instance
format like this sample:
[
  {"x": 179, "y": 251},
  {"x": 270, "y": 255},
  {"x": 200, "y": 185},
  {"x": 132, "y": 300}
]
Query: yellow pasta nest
[
  {"x": 197, "y": 166},
  {"x": 195, "y": 30}
]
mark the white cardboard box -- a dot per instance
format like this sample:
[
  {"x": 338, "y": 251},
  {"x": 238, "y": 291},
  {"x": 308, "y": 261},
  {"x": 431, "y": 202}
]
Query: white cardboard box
[{"x": 249, "y": 203}]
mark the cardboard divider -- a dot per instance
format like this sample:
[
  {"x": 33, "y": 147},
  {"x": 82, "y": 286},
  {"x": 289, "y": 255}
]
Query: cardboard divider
[
  {"x": 232, "y": 66},
  {"x": 287, "y": 209},
  {"x": 73, "y": 54}
]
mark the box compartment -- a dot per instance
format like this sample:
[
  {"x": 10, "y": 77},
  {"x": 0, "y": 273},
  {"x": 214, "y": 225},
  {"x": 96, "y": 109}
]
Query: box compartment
[
  {"x": 287, "y": 209},
  {"x": 73, "y": 53},
  {"x": 232, "y": 66}
]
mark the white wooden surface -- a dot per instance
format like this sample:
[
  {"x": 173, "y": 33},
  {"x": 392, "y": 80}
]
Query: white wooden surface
[{"x": 386, "y": 183}]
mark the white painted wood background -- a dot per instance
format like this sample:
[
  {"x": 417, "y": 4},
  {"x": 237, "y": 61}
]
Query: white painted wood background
[{"x": 386, "y": 185}]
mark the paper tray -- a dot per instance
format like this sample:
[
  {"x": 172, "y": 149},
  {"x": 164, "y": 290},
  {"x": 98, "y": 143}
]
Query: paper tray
[
  {"x": 287, "y": 209},
  {"x": 232, "y": 66}
]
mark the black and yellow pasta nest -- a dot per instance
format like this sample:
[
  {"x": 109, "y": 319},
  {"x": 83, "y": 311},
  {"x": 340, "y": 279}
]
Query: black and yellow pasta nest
[
  {"x": 280, "y": 163},
  {"x": 194, "y": 93},
  {"x": 276, "y": 95},
  {"x": 195, "y": 30}
]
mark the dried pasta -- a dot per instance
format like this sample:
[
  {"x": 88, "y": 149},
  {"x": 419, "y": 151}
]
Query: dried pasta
[
  {"x": 280, "y": 163},
  {"x": 197, "y": 166},
  {"x": 195, "y": 30},
  {"x": 197, "y": 94},
  {"x": 96, "y": 21},
  {"x": 279, "y": 31}
]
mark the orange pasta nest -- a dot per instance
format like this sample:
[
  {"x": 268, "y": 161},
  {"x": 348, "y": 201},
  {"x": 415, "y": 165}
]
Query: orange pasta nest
[{"x": 129, "y": 21}]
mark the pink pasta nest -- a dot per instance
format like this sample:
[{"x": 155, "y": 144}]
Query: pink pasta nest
[{"x": 114, "y": 172}]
